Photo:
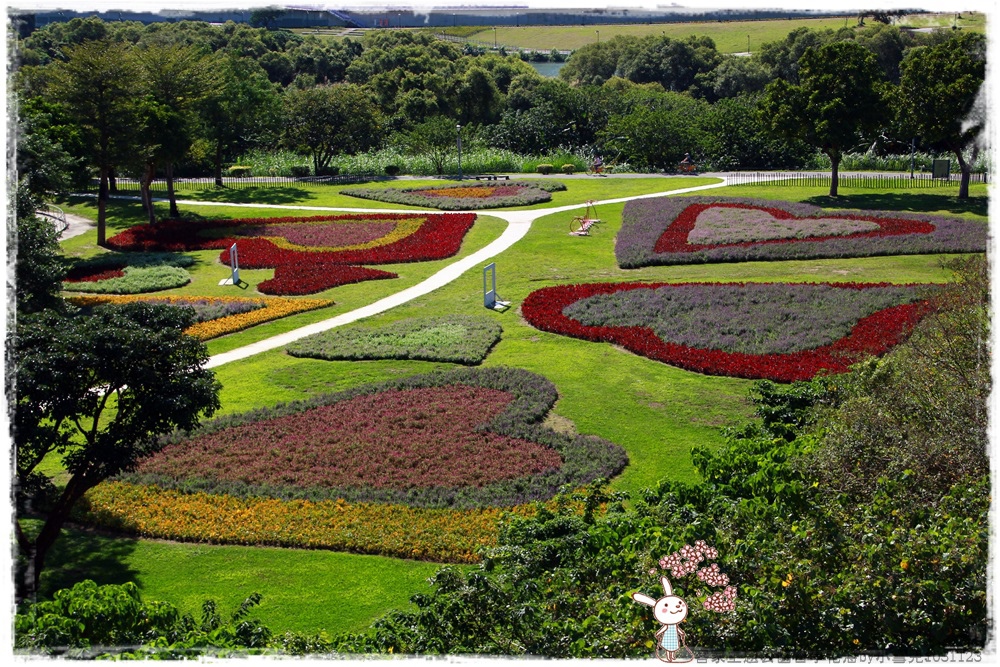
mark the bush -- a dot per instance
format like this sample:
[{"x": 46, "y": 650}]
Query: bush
[
  {"x": 299, "y": 171},
  {"x": 460, "y": 339},
  {"x": 239, "y": 171},
  {"x": 544, "y": 169},
  {"x": 568, "y": 168},
  {"x": 332, "y": 170},
  {"x": 392, "y": 170}
]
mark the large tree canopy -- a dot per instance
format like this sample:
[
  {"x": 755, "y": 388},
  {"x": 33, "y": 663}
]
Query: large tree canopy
[
  {"x": 97, "y": 390},
  {"x": 838, "y": 100},
  {"x": 937, "y": 93}
]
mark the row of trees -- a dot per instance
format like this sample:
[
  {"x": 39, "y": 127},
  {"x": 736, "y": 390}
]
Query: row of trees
[{"x": 122, "y": 98}]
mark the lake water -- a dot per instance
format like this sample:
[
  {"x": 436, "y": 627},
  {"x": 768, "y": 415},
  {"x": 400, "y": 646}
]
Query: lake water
[{"x": 548, "y": 69}]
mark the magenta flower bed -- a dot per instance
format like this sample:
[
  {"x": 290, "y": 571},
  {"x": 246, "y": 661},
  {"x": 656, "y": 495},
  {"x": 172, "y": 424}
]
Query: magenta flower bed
[
  {"x": 323, "y": 235},
  {"x": 307, "y": 271},
  {"x": 872, "y": 334},
  {"x": 464, "y": 438},
  {"x": 395, "y": 439},
  {"x": 688, "y": 230}
]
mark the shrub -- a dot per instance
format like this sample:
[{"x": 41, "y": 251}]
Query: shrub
[
  {"x": 568, "y": 168},
  {"x": 239, "y": 171},
  {"x": 392, "y": 170},
  {"x": 331, "y": 170},
  {"x": 134, "y": 280},
  {"x": 298, "y": 170},
  {"x": 457, "y": 338},
  {"x": 544, "y": 169}
]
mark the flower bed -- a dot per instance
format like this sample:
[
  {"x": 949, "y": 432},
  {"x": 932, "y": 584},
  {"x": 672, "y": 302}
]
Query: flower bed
[
  {"x": 741, "y": 318},
  {"x": 441, "y": 535},
  {"x": 296, "y": 247},
  {"x": 458, "y": 338},
  {"x": 464, "y": 439},
  {"x": 459, "y": 196},
  {"x": 220, "y": 315},
  {"x": 688, "y": 230},
  {"x": 131, "y": 280}
]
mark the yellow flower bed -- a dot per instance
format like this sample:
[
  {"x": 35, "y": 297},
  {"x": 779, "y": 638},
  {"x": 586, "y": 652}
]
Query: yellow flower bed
[
  {"x": 274, "y": 308},
  {"x": 441, "y": 535},
  {"x": 473, "y": 192}
]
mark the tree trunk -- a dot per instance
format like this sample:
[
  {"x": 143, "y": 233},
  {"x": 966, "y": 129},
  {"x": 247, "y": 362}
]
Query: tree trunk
[
  {"x": 144, "y": 191},
  {"x": 38, "y": 550},
  {"x": 102, "y": 208},
  {"x": 218, "y": 165},
  {"x": 835, "y": 172},
  {"x": 112, "y": 180},
  {"x": 966, "y": 169},
  {"x": 171, "y": 195}
]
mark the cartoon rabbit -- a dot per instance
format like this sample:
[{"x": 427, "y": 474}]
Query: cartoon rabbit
[{"x": 669, "y": 610}]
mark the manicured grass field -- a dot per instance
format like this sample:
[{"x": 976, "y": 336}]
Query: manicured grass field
[
  {"x": 729, "y": 36},
  {"x": 656, "y": 412},
  {"x": 303, "y": 590}
]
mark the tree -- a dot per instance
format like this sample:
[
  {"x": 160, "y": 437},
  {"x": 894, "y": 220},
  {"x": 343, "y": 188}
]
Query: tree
[
  {"x": 97, "y": 390},
  {"x": 437, "y": 138},
  {"x": 838, "y": 99},
  {"x": 97, "y": 85},
  {"x": 245, "y": 109},
  {"x": 175, "y": 79},
  {"x": 938, "y": 90},
  {"x": 265, "y": 16},
  {"x": 328, "y": 120},
  {"x": 39, "y": 267},
  {"x": 658, "y": 129}
]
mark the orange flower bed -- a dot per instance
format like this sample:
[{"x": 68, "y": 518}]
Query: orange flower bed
[
  {"x": 273, "y": 308},
  {"x": 441, "y": 535},
  {"x": 478, "y": 192}
]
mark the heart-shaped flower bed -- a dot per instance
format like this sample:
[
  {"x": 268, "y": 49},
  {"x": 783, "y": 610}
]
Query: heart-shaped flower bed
[
  {"x": 311, "y": 254},
  {"x": 776, "y": 331},
  {"x": 686, "y": 230},
  {"x": 467, "y": 438},
  {"x": 464, "y": 197}
]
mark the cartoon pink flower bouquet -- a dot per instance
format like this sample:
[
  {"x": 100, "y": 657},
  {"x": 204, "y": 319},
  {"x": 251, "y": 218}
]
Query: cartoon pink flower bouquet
[{"x": 670, "y": 610}]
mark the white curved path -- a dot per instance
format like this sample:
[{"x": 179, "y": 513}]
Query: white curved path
[{"x": 518, "y": 224}]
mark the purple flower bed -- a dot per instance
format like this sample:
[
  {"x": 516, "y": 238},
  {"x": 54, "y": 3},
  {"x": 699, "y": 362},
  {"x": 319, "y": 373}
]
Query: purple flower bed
[
  {"x": 322, "y": 234},
  {"x": 717, "y": 226},
  {"x": 755, "y": 318},
  {"x": 658, "y": 231}
]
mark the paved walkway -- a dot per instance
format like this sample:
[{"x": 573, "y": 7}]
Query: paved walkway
[{"x": 518, "y": 224}]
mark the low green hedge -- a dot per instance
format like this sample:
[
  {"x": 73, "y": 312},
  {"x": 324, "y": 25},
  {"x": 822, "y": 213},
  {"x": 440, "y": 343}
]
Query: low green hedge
[
  {"x": 137, "y": 280},
  {"x": 462, "y": 339}
]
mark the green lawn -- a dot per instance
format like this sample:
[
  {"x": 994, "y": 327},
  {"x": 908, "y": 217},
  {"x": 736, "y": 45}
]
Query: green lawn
[
  {"x": 303, "y": 590},
  {"x": 656, "y": 412},
  {"x": 729, "y": 36}
]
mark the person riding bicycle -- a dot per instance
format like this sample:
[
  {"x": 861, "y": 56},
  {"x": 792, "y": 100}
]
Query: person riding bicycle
[{"x": 598, "y": 164}]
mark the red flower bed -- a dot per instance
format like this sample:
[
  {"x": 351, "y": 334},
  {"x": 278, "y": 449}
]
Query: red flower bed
[
  {"x": 88, "y": 275},
  {"x": 304, "y": 272},
  {"x": 674, "y": 239},
  {"x": 400, "y": 439},
  {"x": 872, "y": 335}
]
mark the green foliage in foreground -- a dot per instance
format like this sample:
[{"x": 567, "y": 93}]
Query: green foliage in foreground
[
  {"x": 90, "y": 620},
  {"x": 459, "y": 338}
]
